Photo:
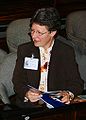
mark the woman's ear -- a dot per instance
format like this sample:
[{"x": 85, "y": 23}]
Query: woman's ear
[{"x": 53, "y": 33}]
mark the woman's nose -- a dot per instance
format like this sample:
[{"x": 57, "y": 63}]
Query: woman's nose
[{"x": 34, "y": 34}]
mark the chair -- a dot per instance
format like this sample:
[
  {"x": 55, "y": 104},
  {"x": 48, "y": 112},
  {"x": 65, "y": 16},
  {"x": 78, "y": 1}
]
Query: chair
[
  {"x": 16, "y": 34},
  {"x": 76, "y": 29},
  {"x": 2, "y": 55},
  {"x": 6, "y": 71},
  {"x": 76, "y": 33}
]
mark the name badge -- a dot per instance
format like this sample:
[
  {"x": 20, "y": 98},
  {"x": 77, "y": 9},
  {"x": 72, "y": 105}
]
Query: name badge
[{"x": 31, "y": 63}]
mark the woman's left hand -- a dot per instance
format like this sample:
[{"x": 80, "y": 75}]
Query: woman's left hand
[{"x": 65, "y": 97}]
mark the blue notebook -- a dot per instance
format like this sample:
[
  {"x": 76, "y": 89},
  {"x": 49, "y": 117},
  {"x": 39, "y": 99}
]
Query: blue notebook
[
  {"x": 46, "y": 97},
  {"x": 51, "y": 102}
]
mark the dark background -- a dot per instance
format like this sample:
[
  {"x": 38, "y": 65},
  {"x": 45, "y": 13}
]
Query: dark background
[
  {"x": 15, "y": 9},
  {"x": 8, "y": 7}
]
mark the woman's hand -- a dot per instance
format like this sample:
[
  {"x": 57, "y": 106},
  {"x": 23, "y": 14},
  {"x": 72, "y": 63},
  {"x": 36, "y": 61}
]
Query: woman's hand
[
  {"x": 66, "y": 96},
  {"x": 33, "y": 95}
]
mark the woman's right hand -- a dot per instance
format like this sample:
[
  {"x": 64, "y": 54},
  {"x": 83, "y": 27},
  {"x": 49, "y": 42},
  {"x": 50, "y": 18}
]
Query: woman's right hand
[{"x": 33, "y": 95}]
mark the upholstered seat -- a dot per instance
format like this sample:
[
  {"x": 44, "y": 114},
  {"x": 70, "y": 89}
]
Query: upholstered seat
[
  {"x": 2, "y": 55},
  {"x": 17, "y": 33},
  {"x": 76, "y": 29},
  {"x": 6, "y": 71},
  {"x": 76, "y": 33}
]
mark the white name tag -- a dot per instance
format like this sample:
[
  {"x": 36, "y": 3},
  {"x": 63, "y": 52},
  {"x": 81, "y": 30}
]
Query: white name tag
[{"x": 31, "y": 63}]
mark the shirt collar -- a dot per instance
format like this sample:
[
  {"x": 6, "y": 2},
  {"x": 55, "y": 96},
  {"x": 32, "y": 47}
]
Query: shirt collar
[{"x": 48, "y": 50}]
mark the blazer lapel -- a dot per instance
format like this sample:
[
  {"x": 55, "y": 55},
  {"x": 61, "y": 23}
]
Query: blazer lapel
[{"x": 34, "y": 75}]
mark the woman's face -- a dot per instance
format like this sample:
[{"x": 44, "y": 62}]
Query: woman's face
[{"x": 41, "y": 36}]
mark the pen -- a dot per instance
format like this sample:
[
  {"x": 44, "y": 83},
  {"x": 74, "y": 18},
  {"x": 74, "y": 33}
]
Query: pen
[{"x": 34, "y": 89}]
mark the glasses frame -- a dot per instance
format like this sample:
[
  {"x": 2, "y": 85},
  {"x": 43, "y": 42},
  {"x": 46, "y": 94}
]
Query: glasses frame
[{"x": 38, "y": 32}]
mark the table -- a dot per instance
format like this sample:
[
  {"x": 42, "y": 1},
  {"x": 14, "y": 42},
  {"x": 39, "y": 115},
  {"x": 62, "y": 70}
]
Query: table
[{"x": 75, "y": 111}]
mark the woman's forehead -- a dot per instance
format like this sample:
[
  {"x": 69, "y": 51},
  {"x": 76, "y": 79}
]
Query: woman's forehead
[{"x": 38, "y": 26}]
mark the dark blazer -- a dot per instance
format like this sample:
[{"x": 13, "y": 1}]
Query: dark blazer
[{"x": 63, "y": 71}]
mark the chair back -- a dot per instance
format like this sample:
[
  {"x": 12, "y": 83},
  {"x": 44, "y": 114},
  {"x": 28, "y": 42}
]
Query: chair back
[
  {"x": 76, "y": 29},
  {"x": 76, "y": 33},
  {"x": 17, "y": 33}
]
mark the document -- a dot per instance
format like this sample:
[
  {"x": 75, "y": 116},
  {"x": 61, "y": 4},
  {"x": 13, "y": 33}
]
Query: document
[
  {"x": 51, "y": 98},
  {"x": 52, "y": 102},
  {"x": 82, "y": 97}
]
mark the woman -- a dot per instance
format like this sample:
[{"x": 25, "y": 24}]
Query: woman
[{"x": 46, "y": 63}]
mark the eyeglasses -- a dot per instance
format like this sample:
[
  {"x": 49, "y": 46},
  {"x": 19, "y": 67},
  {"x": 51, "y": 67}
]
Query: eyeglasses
[{"x": 37, "y": 32}]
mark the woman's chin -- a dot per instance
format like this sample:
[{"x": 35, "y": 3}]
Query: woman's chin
[{"x": 37, "y": 44}]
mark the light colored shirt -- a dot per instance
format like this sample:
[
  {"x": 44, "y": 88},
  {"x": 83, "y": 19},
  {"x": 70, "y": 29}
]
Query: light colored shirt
[{"x": 45, "y": 59}]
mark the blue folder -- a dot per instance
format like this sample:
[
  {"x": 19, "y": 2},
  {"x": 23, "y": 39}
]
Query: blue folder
[{"x": 54, "y": 103}]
